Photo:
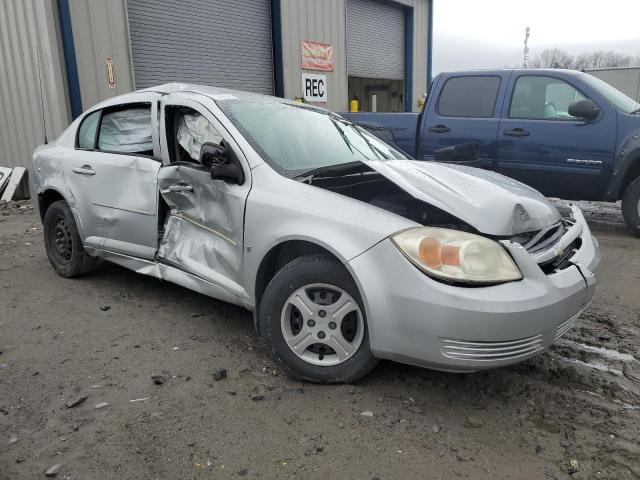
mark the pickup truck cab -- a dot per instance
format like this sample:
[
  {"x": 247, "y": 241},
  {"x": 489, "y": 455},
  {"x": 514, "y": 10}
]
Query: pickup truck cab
[{"x": 563, "y": 132}]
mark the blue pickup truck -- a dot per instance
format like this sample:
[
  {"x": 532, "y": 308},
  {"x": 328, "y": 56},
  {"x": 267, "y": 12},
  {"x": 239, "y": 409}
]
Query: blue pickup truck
[{"x": 565, "y": 133}]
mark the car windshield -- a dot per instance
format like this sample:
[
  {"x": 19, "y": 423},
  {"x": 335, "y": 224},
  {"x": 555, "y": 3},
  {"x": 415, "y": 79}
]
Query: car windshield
[
  {"x": 621, "y": 101},
  {"x": 296, "y": 139}
]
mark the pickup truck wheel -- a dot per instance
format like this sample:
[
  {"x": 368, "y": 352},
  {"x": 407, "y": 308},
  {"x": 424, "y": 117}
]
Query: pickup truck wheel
[
  {"x": 62, "y": 242},
  {"x": 631, "y": 206},
  {"x": 312, "y": 318}
]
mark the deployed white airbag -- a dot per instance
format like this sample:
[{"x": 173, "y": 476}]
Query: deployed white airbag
[
  {"x": 126, "y": 131},
  {"x": 193, "y": 131}
]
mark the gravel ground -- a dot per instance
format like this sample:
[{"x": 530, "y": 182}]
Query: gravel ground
[{"x": 572, "y": 412}]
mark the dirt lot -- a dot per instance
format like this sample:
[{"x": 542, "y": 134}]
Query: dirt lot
[{"x": 572, "y": 412}]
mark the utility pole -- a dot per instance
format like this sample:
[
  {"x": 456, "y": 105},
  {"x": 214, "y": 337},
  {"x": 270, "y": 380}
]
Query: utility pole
[{"x": 525, "y": 64}]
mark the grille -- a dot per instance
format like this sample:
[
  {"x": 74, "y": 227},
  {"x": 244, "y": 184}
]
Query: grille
[
  {"x": 491, "y": 351},
  {"x": 545, "y": 239}
]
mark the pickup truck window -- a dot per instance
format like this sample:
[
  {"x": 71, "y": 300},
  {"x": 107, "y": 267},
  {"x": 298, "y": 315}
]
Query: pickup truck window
[
  {"x": 469, "y": 97},
  {"x": 543, "y": 98},
  {"x": 621, "y": 101}
]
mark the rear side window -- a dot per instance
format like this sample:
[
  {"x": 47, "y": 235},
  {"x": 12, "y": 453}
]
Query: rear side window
[
  {"x": 469, "y": 97},
  {"x": 87, "y": 131},
  {"x": 126, "y": 130}
]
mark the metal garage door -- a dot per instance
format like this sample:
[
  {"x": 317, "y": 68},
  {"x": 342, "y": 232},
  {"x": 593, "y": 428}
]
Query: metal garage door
[
  {"x": 375, "y": 40},
  {"x": 213, "y": 42}
]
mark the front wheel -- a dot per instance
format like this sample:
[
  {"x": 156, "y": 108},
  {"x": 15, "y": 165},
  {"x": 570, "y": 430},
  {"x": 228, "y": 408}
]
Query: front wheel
[
  {"x": 631, "y": 206},
  {"x": 312, "y": 317}
]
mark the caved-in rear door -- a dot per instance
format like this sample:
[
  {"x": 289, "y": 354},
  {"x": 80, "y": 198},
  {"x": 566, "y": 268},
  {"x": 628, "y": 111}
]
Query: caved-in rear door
[{"x": 203, "y": 231}]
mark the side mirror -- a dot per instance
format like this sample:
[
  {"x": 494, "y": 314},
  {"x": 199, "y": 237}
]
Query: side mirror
[
  {"x": 585, "y": 109},
  {"x": 222, "y": 162}
]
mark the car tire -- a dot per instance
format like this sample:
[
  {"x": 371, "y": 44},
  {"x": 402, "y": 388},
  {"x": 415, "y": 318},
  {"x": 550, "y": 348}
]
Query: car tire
[
  {"x": 631, "y": 206},
  {"x": 327, "y": 285},
  {"x": 63, "y": 244}
]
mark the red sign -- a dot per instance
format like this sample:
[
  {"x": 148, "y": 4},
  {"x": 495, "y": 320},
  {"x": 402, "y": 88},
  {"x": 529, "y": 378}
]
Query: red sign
[{"x": 317, "y": 56}]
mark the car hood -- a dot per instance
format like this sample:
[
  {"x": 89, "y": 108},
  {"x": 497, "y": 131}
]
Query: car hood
[{"x": 491, "y": 203}]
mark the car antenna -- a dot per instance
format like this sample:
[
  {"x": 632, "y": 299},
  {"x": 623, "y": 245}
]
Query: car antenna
[{"x": 44, "y": 119}]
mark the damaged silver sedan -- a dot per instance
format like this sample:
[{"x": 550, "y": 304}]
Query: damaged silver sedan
[{"x": 345, "y": 250}]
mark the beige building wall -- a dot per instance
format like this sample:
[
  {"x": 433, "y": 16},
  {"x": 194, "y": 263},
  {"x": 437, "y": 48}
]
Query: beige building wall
[
  {"x": 32, "y": 79},
  {"x": 99, "y": 31},
  {"x": 625, "y": 79},
  {"x": 320, "y": 21},
  {"x": 325, "y": 21}
]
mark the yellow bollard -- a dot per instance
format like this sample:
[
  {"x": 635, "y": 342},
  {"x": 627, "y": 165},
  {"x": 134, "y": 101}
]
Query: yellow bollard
[{"x": 353, "y": 105}]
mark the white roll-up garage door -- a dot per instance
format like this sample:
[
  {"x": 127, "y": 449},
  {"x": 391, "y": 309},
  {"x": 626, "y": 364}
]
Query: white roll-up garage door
[
  {"x": 213, "y": 42},
  {"x": 375, "y": 40}
]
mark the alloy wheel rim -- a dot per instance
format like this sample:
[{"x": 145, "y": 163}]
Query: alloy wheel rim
[
  {"x": 322, "y": 324},
  {"x": 62, "y": 240}
]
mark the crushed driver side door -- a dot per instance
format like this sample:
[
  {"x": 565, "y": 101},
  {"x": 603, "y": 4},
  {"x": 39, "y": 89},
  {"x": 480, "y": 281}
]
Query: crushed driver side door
[{"x": 203, "y": 230}]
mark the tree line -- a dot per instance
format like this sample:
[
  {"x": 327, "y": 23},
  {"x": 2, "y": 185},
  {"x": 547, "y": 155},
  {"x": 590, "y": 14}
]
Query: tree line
[{"x": 557, "y": 58}]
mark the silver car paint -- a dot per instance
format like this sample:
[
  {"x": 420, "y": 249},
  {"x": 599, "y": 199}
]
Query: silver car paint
[
  {"x": 207, "y": 248},
  {"x": 469, "y": 193},
  {"x": 410, "y": 315}
]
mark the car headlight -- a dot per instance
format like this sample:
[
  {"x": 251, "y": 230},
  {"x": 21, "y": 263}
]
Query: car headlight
[{"x": 457, "y": 256}]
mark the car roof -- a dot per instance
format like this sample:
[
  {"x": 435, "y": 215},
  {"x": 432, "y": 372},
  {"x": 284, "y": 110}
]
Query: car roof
[{"x": 215, "y": 93}]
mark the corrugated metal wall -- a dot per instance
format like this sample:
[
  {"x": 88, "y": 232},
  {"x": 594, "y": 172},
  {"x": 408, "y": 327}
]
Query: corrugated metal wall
[
  {"x": 212, "y": 42},
  {"x": 28, "y": 33},
  {"x": 325, "y": 21},
  {"x": 100, "y": 31},
  {"x": 367, "y": 56}
]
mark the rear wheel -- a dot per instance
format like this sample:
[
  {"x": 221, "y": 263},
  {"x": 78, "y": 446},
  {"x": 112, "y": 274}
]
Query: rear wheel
[
  {"x": 311, "y": 316},
  {"x": 631, "y": 206},
  {"x": 62, "y": 242}
]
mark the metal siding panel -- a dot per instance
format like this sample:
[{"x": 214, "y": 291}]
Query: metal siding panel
[
  {"x": 321, "y": 21},
  {"x": 226, "y": 44},
  {"x": 28, "y": 30},
  {"x": 100, "y": 31},
  {"x": 375, "y": 40}
]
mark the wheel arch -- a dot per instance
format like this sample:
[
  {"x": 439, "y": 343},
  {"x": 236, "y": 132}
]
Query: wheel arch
[
  {"x": 46, "y": 198},
  {"x": 631, "y": 172},
  {"x": 50, "y": 194},
  {"x": 281, "y": 254}
]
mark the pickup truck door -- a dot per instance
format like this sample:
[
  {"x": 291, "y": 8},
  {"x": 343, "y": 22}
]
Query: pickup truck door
[
  {"x": 462, "y": 109},
  {"x": 112, "y": 173},
  {"x": 541, "y": 145},
  {"x": 203, "y": 229}
]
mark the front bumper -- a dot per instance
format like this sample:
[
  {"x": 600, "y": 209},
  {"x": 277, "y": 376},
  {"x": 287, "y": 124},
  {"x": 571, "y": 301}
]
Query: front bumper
[{"x": 417, "y": 320}]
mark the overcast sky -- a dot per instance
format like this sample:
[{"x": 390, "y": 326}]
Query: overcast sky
[{"x": 490, "y": 33}]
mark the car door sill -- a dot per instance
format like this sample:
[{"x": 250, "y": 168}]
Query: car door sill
[{"x": 170, "y": 272}]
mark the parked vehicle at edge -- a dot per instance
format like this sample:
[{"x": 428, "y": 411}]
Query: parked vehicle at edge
[
  {"x": 563, "y": 132},
  {"x": 346, "y": 251}
]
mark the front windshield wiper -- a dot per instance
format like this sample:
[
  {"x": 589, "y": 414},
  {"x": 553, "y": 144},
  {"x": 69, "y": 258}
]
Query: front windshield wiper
[
  {"x": 342, "y": 134},
  {"x": 373, "y": 148},
  {"x": 307, "y": 175},
  {"x": 635, "y": 112}
]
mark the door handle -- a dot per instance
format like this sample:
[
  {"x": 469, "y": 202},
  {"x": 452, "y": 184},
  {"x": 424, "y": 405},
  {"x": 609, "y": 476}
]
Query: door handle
[
  {"x": 516, "y": 132},
  {"x": 439, "y": 129},
  {"x": 84, "y": 170},
  {"x": 180, "y": 188}
]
